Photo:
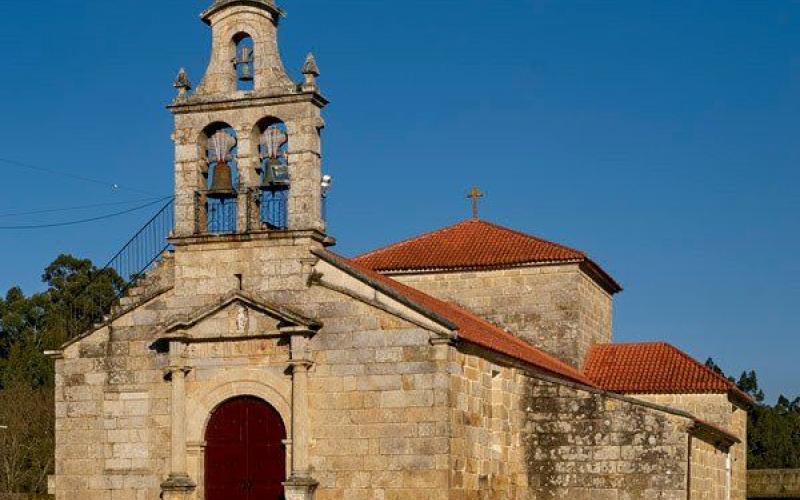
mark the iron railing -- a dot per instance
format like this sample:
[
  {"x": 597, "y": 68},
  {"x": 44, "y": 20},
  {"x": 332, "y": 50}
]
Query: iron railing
[
  {"x": 274, "y": 213},
  {"x": 101, "y": 288},
  {"x": 221, "y": 216}
]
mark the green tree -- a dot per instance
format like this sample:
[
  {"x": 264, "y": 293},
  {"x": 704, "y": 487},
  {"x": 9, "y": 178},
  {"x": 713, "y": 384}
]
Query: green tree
[
  {"x": 748, "y": 383},
  {"x": 78, "y": 295},
  {"x": 773, "y": 432}
]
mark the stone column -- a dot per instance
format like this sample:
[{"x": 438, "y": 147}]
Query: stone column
[
  {"x": 188, "y": 178},
  {"x": 178, "y": 485},
  {"x": 305, "y": 171},
  {"x": 300, "y": 485},
  {"x": 246, "y": 165}
]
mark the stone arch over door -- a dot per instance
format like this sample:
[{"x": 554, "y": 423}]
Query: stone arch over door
[{"x": 205, "y": 396}]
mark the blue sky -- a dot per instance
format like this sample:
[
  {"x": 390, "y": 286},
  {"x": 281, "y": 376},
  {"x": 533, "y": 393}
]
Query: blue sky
[{"x": 660, "y": 137}]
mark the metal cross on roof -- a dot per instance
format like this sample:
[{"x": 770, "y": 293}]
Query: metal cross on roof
[{"x": 475, "y": 194}]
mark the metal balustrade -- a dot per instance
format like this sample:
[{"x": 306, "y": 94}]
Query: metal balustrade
[
  {"x": 274, "y": 214},
  {"x": 105, "y": 286},
  {"x": 221, "y": 216}
]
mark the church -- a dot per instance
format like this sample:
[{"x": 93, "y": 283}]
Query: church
[{"x": 253, "y": 362}]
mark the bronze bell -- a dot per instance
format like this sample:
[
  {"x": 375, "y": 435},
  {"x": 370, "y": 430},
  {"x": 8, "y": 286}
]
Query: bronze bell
[
  {"x": 246, "y": 73},
  {"x": 222, "y": 182},
  {"x": 244, "y": 64},
  {"x": 275, "y": 176}
]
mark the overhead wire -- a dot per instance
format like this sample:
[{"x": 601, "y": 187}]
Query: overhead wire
[
  {"x": 84, "y": 221},
  {"x": 75, "y": 207},
  {"x": 83, "y": 178}
]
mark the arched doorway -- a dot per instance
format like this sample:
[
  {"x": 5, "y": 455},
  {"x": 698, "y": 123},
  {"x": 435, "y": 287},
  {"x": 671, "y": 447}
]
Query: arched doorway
[{"x": 245, "y": 455}]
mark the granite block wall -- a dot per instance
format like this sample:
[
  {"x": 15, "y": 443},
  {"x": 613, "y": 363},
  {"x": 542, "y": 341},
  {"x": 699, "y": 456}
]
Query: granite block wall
[
  {"x": 720, "y": 410},
  {"x": 589, "y": 446},
  {"x": 557, "y": 308}
]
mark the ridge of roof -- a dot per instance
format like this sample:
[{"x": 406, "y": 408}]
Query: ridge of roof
[
  {"x": 469, "y": 327},
  {"x": 464, "y": 222},
  {"x": 526, "y": 235},
  {"x": 654, "y": 368},
  {"x": 476, "y": 244}
]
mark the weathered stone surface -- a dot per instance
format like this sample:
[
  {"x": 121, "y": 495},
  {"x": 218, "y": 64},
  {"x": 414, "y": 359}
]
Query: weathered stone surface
[
  {"x": 719, "y": 410},
  {"x": 773, "y": 484},
  {"x": 580, "y": 444},
  {"x": 557, "y": 308},
  {"x": 377, "y": 401}
]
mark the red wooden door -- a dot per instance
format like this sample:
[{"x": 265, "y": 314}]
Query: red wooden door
[{"x": 245, "y": 455}]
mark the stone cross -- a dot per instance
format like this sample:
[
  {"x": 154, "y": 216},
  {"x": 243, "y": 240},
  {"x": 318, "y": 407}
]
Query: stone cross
[{"x": 475, "y": 194}]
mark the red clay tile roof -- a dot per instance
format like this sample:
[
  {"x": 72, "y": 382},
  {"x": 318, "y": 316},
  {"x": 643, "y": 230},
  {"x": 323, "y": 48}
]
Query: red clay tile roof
[
  {"x": 470, "y": 328},
  {"x": 652, "y": 368},
  {"x": 476, "y": 244}
]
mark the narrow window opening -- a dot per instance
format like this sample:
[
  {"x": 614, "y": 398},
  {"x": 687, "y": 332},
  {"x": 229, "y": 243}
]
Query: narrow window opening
[
  {"x": 222, "y": 180},
  {"x": 274, "y": 171},
  {"x": 244, "y": 62}
]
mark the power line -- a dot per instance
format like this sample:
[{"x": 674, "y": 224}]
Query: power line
[
  {"x": 84, "y": 221},
  {"x": 83, "y": 178},
  {"x": 75, "y": 207}
]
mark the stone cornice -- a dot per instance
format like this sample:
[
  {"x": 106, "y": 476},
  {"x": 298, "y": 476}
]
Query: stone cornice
[
  {"x": 113, "y": 317},
  {"x": 291, "y": 321},
  {"x": 698, "y": 428},
  {"x": 713, "y": 434},
  {"x": 588, "y": 267},
  {"x": 386, "y": 290},
  {"x": 216, "y": 102},
  {"x": 218, "y": 5},
  {"x": 311, "y": 234}
]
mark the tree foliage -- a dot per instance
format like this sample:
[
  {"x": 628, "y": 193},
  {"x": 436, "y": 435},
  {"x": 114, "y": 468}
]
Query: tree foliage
[
  {"x": 78, "y": 294},
  {"x": 773, "y": 432}
]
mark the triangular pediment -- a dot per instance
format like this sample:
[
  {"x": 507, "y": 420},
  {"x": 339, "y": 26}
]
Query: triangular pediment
[{"x": 237, "y": 314}]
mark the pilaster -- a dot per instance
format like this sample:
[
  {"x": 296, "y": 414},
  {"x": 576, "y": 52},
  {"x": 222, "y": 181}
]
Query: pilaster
[
  {"x": 300, "y": 485},
  {"x": 178, "y": 486}
]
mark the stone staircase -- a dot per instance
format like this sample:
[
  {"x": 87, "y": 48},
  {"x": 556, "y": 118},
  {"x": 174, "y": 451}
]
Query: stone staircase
[{"x": 159, "y": 277}]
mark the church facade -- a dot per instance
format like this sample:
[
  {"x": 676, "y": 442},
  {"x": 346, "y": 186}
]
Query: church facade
[{"x": 472, "y": 362}]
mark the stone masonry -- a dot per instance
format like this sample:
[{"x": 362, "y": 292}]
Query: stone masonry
[
  {"x": 723, "y": 411},
  {"x": 772, "y": 484},
  {"x": 555, "y": 307},
  {"x": 385, "y": 392}
]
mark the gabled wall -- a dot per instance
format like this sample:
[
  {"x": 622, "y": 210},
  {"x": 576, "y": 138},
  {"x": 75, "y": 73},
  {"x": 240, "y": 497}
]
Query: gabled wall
[
  {"x": 517, "y": 436},
  {"x": 557, "y": 308},
  {"x": 709, "y": 463},
  {"x": 378, "y": 388}
]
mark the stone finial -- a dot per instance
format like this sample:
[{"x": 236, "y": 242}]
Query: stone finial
[
  {"x": 310, "y": 67},
  {"x": 310, "y": 72},
  {"x": 182, "y": 83}
]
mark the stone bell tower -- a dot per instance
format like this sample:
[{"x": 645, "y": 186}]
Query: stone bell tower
[{"x": 247, "y": 140}]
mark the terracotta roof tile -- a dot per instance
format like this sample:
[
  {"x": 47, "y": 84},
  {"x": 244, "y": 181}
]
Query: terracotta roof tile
[
  {"x": 652, "y": 368},
  {"x": 475, "y": 244},
  {"x": 470, "y": 327}
]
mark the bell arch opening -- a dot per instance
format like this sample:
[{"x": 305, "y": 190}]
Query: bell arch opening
[
  {"x": 245, "y": 455},
  {"x": 218, "y": 198},
  {"x": 273, "y": 169},
  {"x": 244, "y": 61}
]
